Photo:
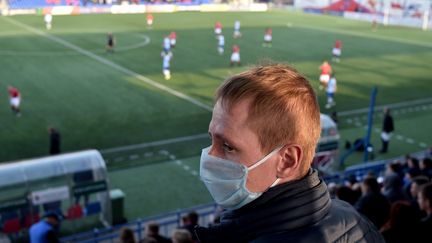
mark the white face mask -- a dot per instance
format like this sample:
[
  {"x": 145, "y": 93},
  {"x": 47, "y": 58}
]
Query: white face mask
[{"x": 226, "y": 180}]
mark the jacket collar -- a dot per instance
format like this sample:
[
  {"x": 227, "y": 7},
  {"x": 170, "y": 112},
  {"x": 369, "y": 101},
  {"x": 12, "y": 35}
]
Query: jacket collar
[{"x": 288, "y": 206}]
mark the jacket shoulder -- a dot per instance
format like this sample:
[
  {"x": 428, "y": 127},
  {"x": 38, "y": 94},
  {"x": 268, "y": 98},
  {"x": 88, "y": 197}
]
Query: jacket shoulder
[{"x": 342, "y": 224}]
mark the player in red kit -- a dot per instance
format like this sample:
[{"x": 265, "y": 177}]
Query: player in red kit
[
  {"x": 268, "y": 37},
  {"x": 235, "y": 56},
  {"x": 326, "y": 70},
  {"x": 337, "y": 51},
  {"x": 15, "y": 100},
  {"x": 218, "y": 28},
  {"x": 149, "y": 20},
  {"x": 173, "y": 38}
]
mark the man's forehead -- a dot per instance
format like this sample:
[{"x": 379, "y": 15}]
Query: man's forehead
[{"x": 232, "y": 110}]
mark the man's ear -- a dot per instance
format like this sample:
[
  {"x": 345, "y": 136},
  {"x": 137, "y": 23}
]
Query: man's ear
[{"x": 289, "y": 165}]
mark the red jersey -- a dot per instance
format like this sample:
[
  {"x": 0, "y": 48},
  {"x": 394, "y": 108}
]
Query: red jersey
[
  {"x": 149, "y": 17},
  {"x": 236, "y": 48},
  {"x": 218, "y": 25},
  {"x": 268, "y": 31},
  {"x": 13, "y": 92},
  {"x": 338, "y": 44},
  {"x": 173, "y": 35},
  {"x": 325, "y": 68}
]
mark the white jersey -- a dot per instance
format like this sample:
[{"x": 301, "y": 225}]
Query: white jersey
[
  {"x": 331, "y": 86},
  {"x": 167, "y": 43},
  {"x": 221, "y": 40},
  {"x": 237, "y": 25},
  {"x": 15, "y": 101},
  {"x": 166, "y": 60},
  {"x": 48, "y": 18}
]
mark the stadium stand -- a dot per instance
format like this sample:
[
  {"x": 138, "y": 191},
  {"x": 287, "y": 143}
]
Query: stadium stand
[
  {"x": 208, "y": 213},
  {"x": 28, "y": 4}
]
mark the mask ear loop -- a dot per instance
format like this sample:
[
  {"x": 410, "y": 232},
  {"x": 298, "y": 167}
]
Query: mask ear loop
[
  {"x": 264, "y": 159},
  {"x": 275, "y": 182}
]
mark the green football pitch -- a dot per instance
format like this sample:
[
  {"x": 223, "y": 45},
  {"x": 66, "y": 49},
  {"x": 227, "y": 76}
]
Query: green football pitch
[{"x": 104, "y": 101}]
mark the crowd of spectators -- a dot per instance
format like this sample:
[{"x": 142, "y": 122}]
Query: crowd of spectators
[
  {"x": 399, "y": 203},
  {"x": 183, "y": 234}
]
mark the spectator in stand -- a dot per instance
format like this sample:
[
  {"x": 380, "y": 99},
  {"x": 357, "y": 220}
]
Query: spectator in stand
[
  {"x": 426, "y": 167},
  {"x": 346, "y": 194},
  {"x": 416, "y": 184},
  {"x": 152, "y": 234},
  {"x": 392, "y": 184},
  {"x": 182, "y": 236},
  {"x": 264, "y": 131},
  {"x": 413, "y": 163},
  {"x": 45, "y": 230},
  {"x": 425, "y": 203},
  {"x": 127, "y": 235},
  {"x": 190, "y": 222},
  {"x": 15, "y": 100},
  {"x": 410, "y": 174},
  {"x": 354, "y": 184},
  {"x": 372, "y": 203},
  {"x": 387, "y": 129},
  {"x": 403, "y": 224}
]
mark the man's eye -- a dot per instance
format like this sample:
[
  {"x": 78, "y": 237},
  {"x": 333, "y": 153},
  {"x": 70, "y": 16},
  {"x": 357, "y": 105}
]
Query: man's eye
[{"x": 227, "y": 148}]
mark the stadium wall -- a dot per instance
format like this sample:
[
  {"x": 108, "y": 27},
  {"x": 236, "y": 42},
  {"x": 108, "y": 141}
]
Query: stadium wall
[{"x": 136, "y": 9}]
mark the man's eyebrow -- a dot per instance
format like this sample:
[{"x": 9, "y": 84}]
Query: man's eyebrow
[{"x": 225, "y": 138}]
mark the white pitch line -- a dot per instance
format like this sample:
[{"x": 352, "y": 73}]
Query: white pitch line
[
  {"x": 148, "y": 154},
  {"x": 399, "y": 137},
  {"x": 110, "y": 64},
  {"x": 366, "y": 35},
  {"x": 155, "y": 143},
  {"x": 410, "y": 140},
  {"x": 180, "y": 163},
  {"x": 70, "y": 53},
  {"x": 391, "y": 106},
  {"x": 423, "y": 145}
]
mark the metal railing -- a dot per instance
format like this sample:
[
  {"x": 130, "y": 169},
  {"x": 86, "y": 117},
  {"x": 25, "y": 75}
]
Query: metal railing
[{"x": 167, "y": 223}]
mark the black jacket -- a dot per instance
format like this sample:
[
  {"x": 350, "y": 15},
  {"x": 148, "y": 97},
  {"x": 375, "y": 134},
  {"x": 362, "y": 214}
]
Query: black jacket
[
  {"x": 298, "y": 211},
  {"x": 388, "y": 123}
]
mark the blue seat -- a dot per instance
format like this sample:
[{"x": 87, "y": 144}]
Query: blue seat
[{"x": 93, "y": 208}]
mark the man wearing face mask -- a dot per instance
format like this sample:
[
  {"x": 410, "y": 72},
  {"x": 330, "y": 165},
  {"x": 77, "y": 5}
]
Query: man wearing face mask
[{"x": 264, "y": 130}]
